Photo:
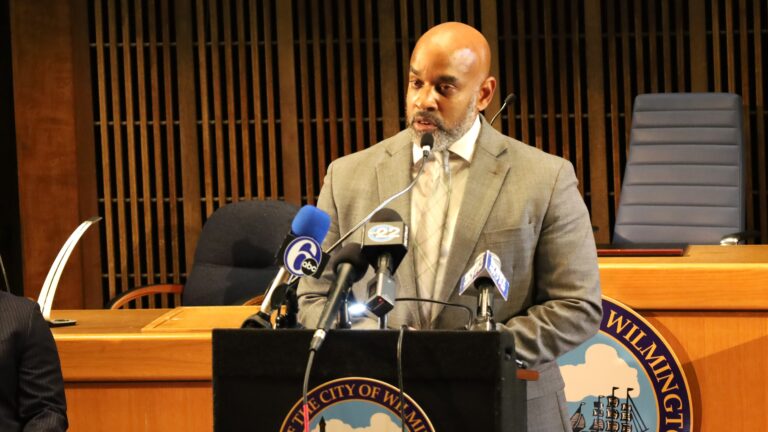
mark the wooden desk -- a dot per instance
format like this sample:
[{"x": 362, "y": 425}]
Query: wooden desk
[
  {"x": 141, "y": 370},
  {"x": 711, "y": 306}
]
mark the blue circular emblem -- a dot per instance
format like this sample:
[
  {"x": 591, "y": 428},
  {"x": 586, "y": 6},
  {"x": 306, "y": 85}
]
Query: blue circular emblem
[
  {"x": 301, "y": 254},
  {"x": 356, "y": 404},
  {"x": 383, "y": 233},
  {"x": 626, "y": 378}
]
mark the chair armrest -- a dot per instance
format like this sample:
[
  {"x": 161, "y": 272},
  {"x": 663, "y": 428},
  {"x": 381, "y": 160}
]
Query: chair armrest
[
  {"x": 255, "y": 301},
  {"x": 137, "y": 293}
]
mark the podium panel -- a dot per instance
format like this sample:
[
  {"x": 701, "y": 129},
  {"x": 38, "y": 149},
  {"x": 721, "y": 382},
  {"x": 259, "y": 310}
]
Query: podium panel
[{"x": 462, "y": 380}]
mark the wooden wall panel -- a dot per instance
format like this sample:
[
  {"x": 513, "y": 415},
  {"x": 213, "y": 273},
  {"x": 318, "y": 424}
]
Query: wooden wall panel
[
  {"x": 54, "y": 146},
  {"x": 199, "y": 103}
]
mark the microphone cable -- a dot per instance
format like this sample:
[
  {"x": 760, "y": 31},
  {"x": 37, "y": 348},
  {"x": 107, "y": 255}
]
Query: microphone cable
[
  {"x": 305, "y": 390},
  {"x": 400, "y": 375},
  {"x": 456, "y": 305}
]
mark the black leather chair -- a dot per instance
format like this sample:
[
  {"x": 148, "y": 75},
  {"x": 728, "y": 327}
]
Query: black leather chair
[
  {"x": 234, "y": 259},
  {"x": 684, "y": 175}
]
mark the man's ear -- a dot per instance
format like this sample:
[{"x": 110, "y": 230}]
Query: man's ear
[{"x": 485, "y": 94}]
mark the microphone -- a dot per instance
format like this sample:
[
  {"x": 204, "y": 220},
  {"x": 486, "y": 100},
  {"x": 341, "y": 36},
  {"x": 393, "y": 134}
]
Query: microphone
[
  {"x": 349, "y": 266},
  {"x": 427, "y": 141},
  {"x": 485, "y": 275},
  {"x": 510, "y": 98},
  {"x": 300, "y": 255},
  {"x": 384, "y": 245}
]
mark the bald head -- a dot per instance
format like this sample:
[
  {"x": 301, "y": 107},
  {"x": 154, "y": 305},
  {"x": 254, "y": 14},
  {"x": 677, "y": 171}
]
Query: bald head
[
  {"x": 449, "y": 81},
  {"x": 458, "y": 43}
]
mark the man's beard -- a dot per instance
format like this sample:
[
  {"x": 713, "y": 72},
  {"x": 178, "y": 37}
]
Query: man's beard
[{"x": 444, "y": 137}]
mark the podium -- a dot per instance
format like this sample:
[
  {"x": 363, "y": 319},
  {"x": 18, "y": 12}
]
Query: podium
[{"x": 461, "y": 380}]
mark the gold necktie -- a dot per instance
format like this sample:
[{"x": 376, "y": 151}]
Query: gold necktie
[{"x": 431, "y": 201}]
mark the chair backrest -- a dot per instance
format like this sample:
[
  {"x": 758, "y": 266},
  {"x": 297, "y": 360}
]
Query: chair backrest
[
  {"x": 683, "y": 181},
  {"x": 235, "y": 255}
]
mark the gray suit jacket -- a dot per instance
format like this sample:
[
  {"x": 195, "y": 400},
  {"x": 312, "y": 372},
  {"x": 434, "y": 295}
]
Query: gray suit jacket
[{"x": 519, "y": 203}]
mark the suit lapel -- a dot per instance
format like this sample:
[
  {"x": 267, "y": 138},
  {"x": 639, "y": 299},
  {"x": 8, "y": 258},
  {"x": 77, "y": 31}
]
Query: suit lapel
[
  {"x": 485, "y": 178},
  {"x": 393, "y": 174}
]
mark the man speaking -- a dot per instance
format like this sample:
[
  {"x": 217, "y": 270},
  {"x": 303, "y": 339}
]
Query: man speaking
[{"x": 480, "y": 190}]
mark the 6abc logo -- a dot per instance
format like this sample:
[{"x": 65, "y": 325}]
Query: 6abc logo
[{"x": 304, "y": 257}]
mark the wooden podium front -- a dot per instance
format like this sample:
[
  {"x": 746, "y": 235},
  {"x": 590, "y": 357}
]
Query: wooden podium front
[{"x": 147, "y": 370}]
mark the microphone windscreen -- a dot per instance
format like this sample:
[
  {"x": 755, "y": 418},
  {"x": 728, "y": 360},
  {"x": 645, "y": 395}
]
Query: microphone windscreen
[
  {"x": 427, "y": 140},
  {"x": 311, "y": 222},
  {"x": 350, "y": 253},
  {"x": 387, "y": 215}
]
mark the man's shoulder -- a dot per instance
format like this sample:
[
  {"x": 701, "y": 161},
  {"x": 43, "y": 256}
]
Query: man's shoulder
[
  {"x": 14, "y": 308},
  {"x": 15, "y": 311},
  {"x": 374, "y": 153},
  {"x": 524, "y": 155}
]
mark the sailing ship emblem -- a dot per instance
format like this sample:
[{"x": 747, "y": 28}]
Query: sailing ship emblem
[{"x": 628, "y": 375}]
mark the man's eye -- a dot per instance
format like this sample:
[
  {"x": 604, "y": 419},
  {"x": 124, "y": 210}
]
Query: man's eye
[
  {"x": 416, "y": 83},
  {"x": 446, "y": 88}
]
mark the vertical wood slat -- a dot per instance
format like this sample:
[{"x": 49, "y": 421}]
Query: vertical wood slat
[
  {"x": 550, "y": 79},
  {"x": 130, "y": 145},
  {"x": 170, "y": 133},
  {"x": 596, "y": 111},
  {"x": 729, "y": 48},
  {"x": 626, "y": 74},
  {"x": 330, "y": 60},
  {"x": 578, "y": 113},
  {"x": 319, "y": 84},
  {"x": 157, "y": 156},
  {"x": 231, "y": 148},
  {"x": 372, "y": 83},
  {"x": 522, "y": 58},
  {"x": 289, "y": 129},
  {"x": 148, "y": 248},
  {"x": 357, "y": 75},
  {"x": 613, "y": 93},
  {"x": 271, "y": 120},
  {"x": 405, "y": 43},
  {"x": 186, "y": 90},
  {"x": 563, "y": 89},
  {"x": 218, "y": 133},
  {"x": 761, "y": 119},
  {"x": 536, "y": 75},
  {"x": 697, "y": 19},
  {"x": 510, "y": 69},
  {"x": 716, "y": 56},
  {"x": 653, "y": 53},
  {"x": 202, "y": 61},
  {"x": 344, "y": 80},
  {"x": 680, "y": 46},
  {"x": 745, "y": 100},
  {"x": 245, "y": 119},
  {"x": 666, "y": 47},
  {"x": 118, "y": 148},
  {"x": 306, "y": 116},
  {"x": 490, "y": 29},
  {"x": 106, "y": 167},
  {"x": 389, "y": 72},
  {"x": 258, "y": 134},
  {"x": 639, "y": 57}
]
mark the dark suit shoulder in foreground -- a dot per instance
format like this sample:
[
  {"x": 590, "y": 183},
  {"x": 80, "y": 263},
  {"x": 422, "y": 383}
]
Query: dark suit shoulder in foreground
[{"x": 31, "y": 385}]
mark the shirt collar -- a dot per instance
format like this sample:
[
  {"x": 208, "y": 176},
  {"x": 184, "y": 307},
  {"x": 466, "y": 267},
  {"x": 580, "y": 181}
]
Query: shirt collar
[{"x": 464, "y": 147}]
